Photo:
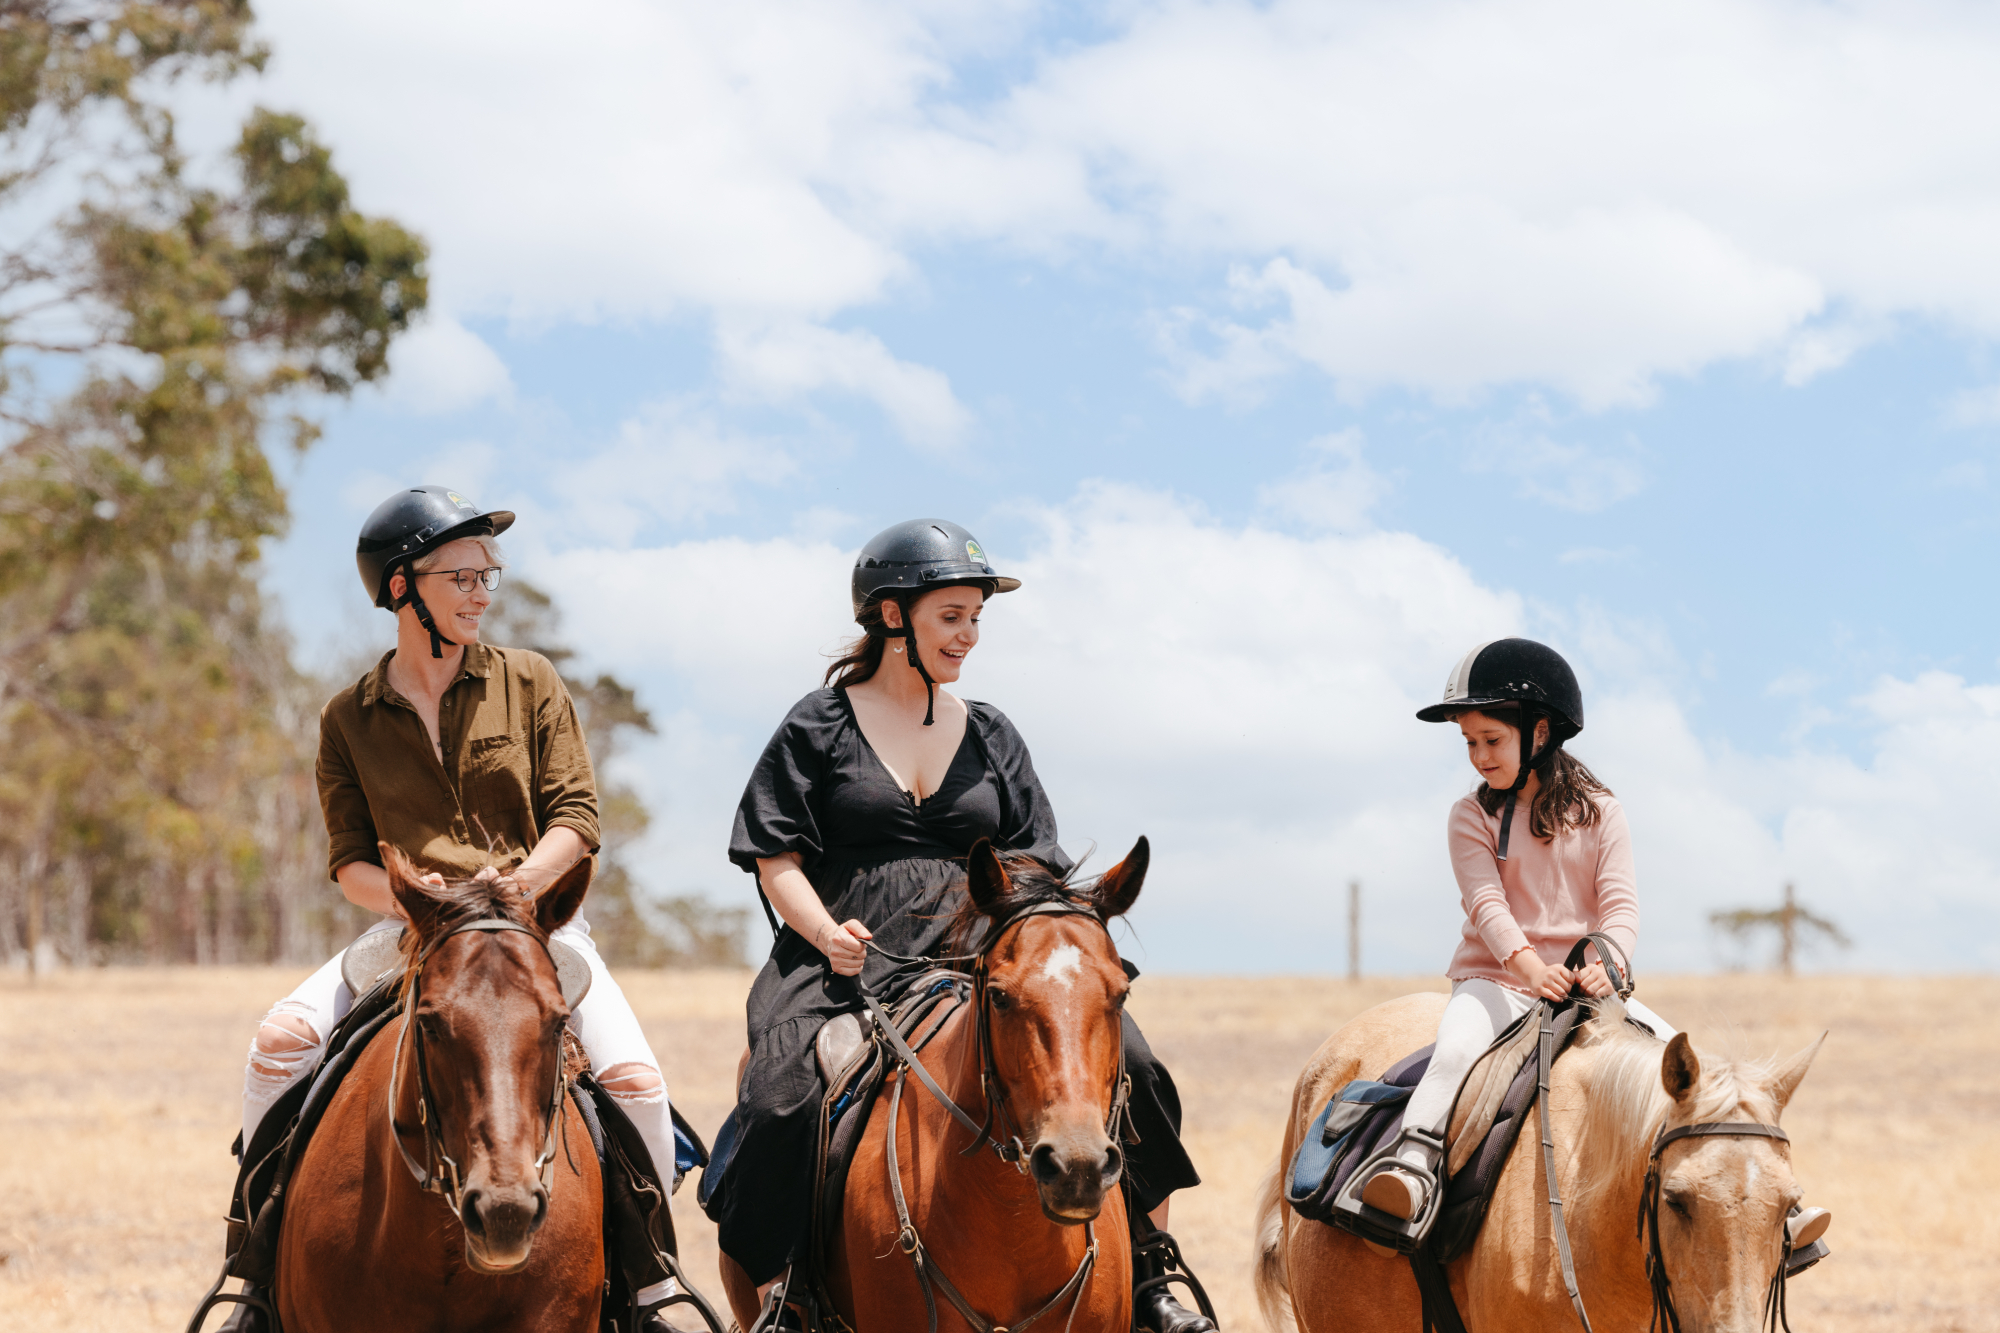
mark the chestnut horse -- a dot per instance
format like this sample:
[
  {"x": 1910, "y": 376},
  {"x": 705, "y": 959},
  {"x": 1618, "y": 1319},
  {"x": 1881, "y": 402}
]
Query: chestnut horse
[
  {"x": 1721, "y": 1233},
  {"x": 466, "y": 1088},
  {"x": 1037, "y": 1056}
]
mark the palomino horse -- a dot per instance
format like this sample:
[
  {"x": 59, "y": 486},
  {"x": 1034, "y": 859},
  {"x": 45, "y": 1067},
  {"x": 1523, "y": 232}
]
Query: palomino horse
[
  {"x": 1023, "y": 1222},
  {"x": 471, "y": 1092},
  {"x": 1720, "y": 1232}
]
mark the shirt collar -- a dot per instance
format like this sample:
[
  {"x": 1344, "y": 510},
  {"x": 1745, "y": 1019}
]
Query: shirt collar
[{"x": 375, "y": 685}]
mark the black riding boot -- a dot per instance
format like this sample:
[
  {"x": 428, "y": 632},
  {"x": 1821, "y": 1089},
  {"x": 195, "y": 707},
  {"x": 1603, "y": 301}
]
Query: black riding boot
[{"x": 1156, "y": 1265}]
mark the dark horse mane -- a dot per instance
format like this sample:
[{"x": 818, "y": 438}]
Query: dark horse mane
[
  {"x": 462, "y": 900},
  {"x": 1033, "y": 883}
]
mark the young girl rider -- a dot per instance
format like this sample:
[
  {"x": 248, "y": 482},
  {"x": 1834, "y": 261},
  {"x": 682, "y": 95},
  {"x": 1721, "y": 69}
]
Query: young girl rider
[
  {"x": 1543, "y": 857},
  {"x": 463, "y": 755},
  {"x": 856, "y": 821}
]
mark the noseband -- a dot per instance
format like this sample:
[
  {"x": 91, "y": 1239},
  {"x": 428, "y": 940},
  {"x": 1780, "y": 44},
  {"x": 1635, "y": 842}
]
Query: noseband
[
  {"x": 984, "y": 1135},
  {"x": 439, "y": 1174},
  {"x": 1649, "y": 1223}
]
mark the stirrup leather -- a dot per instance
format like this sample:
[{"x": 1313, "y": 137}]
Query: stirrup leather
[{"x": 1385, "y": 1228}]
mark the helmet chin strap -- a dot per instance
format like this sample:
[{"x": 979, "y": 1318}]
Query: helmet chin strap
[
  {"x": 1529, "y": 761},
  {"x": 909, "y": 631},
  {"x": 438, "y": 640}
]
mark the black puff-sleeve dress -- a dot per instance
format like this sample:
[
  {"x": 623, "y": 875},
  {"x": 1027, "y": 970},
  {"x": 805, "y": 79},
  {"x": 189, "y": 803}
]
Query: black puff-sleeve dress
[{"x": 878, "y": 856}]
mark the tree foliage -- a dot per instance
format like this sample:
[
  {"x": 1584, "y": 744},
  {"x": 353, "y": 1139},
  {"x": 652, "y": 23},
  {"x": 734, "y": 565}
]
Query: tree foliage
[{"x": 160, "y": 333}]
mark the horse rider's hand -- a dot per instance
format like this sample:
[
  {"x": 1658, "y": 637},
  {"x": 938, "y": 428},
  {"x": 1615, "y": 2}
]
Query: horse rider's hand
[
  {"x": 843, "y": 946},
  {"x": 1593, "y": 981},
  {"x": 1554, "y": 982}
]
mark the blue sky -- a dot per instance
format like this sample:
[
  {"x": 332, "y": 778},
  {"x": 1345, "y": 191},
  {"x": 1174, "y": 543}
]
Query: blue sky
[{"x": 1288, "y": 351}]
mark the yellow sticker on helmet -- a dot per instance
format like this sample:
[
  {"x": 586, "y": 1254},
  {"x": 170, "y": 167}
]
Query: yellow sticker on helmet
[
  {"x": 460, "y": 500},
  {"x": 973, "y": 553}
]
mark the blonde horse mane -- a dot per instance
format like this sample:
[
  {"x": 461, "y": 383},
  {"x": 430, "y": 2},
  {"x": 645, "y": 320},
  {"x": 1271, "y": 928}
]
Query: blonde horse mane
[{"x": 1628, "y": 1105}]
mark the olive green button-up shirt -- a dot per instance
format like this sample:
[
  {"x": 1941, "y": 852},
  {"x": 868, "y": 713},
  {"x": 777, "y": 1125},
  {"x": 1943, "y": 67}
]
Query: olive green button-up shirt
[{"x": 515, "y": 766}]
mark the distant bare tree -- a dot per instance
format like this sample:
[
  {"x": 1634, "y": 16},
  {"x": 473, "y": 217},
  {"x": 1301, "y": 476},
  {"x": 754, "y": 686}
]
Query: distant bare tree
[{"x": 1794, "y": 924}]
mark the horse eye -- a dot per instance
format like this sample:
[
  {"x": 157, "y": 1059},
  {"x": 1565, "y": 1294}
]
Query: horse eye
[
  {"x": 1680, "y": 1206},
  {"x": 1119, "y": 1002},
  {"x": 1001, "y": 999}
]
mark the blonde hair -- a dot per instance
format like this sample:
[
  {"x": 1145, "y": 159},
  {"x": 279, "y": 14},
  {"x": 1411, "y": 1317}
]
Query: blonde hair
[{"x": 430, "y": 559}]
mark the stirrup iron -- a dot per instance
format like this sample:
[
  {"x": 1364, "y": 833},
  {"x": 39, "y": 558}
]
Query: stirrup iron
[{"x": 1385, "y": 1228}]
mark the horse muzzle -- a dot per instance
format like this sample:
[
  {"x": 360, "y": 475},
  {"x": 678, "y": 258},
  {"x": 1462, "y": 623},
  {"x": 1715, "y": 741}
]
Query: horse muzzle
[
  {"x": 1071, "y": 1174},
  {"x": 500, "y": 1225}
]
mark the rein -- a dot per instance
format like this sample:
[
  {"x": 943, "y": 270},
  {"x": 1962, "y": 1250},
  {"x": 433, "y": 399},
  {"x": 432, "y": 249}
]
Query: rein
[
  {"x": 994, "y": 1093},
  {"x": 439, "y": 1174}
]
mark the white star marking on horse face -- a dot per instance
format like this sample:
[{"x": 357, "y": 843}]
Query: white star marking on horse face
[{"x": 1063, "y": 963}]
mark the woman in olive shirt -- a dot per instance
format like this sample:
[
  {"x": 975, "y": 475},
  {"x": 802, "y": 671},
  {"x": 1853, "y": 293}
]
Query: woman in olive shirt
[{"x": 470, "y": 759}]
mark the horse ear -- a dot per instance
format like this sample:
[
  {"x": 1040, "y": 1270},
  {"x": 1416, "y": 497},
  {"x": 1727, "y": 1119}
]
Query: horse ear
[
  {"x": 1786, "y": 1080},
  {"x": 1118, "y": 888},
  {"x": 985, "y": 877},
  {"x": 411, "y": 893},
  {"x": 556, "y": 904},
  {"x": 1680, "y": 1068}
]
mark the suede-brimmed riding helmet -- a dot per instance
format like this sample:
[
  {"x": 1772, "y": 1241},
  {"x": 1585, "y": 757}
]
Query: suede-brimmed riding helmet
[
  {"x": 409, "y": 524},
  {"x": 1513, "y": 671},
  {"x": 910, "y": 559},
  {"x": 1525, "y": 675}
]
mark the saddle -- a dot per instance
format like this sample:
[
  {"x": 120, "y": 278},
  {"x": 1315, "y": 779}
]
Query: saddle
[
  {"x": 854, "y": 1058},
  {"x": 640, "y": 1245},
  {"x": 1364, "y": 1121}
]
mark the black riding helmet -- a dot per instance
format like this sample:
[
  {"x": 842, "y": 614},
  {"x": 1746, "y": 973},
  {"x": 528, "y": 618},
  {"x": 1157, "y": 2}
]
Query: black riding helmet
[
  {"x": 904, "y": 562},
  {"x": 1520, "y": 673},
  {"x": 406, "y": 526}
]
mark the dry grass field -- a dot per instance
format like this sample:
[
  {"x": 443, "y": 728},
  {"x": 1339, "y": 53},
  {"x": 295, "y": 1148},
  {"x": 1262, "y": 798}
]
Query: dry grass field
[{"x": 118, "y": 1097}]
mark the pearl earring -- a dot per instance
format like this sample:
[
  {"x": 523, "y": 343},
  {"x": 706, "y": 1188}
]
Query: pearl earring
[{"x": 896, "y": 648}]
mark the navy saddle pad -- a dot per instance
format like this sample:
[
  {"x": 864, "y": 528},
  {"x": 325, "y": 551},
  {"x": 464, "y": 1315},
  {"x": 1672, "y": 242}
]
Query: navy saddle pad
[{"x": 1362, "y": 1117}]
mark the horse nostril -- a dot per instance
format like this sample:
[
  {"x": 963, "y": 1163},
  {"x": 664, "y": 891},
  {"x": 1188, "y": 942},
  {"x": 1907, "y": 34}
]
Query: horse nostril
[
  {"x": 1043, "y": 1166},
  {"x": 541, "y": 1209},
  {"x": 468, "y": 1213},
  {"x": 1114, "y": 1164}
]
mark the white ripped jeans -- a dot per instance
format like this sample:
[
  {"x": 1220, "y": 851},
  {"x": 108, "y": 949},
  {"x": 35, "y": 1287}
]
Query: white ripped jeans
[
  {"x": 1479, "y": 1011},
  {"x": 603, "y": 1021}
]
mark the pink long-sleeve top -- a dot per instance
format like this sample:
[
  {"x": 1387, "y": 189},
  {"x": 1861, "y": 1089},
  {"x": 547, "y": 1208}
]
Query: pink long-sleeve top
[{"x": 1545, "y": 895}]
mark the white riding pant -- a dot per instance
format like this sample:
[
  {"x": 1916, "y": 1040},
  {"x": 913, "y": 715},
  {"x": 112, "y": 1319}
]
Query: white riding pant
[
  {"x": 1479, "y": 1011},
  {"x": 603, "y": 1021}
]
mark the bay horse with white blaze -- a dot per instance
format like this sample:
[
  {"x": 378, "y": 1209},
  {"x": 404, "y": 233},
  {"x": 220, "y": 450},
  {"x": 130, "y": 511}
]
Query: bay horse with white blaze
[
  {"x": 1712, "y": 1200},
  {"x": 999, "y": 1207},
  {"x": 505, "y": 1231}
]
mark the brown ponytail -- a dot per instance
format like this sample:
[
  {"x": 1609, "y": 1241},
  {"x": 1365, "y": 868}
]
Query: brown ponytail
[{"x": 862, "y": 657}]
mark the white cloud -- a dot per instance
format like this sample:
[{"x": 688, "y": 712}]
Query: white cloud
[
  {"x": 1245, "y": 698},
  {"x": 1336, "y": 489},
  {"x": 674, "y": 462},
  {"x": 783, "y": 361},
  {"x": 1429, "y": 194},
  {"x": 442, "y": 366}
]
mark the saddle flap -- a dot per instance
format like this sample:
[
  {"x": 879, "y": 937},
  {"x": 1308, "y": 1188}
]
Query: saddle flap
[
  {"x": 1486, "y": 1086},
  {"x": 378, "y": 955}
]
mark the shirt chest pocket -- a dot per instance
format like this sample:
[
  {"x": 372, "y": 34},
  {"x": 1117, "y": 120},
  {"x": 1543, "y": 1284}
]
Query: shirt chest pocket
[{"x": 496, "y": 776}]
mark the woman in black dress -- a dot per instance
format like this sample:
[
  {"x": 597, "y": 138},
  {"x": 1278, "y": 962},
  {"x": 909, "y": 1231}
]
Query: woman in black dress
[{"x": 856, "y": 822}]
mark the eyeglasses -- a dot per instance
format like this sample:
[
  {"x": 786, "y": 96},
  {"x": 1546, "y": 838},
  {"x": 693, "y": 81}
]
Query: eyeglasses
[{"x": 465, "y": 578}]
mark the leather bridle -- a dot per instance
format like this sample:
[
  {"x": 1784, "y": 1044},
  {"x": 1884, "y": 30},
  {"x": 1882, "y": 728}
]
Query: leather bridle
[
  {"x": 1649, "y": 1223},
  {"x": 998, "y": 1131},
  {"x": 1618, "y": 971},
  {"x": 439, "y": 1173}
]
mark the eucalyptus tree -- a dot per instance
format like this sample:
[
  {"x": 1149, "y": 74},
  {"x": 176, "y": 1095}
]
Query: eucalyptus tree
[{"x": 168, "y": 323}]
